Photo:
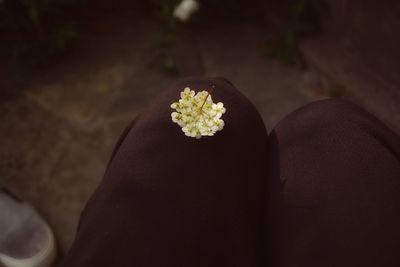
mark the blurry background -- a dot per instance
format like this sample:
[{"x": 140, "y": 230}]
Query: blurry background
[{"x": 73, "y": 73}]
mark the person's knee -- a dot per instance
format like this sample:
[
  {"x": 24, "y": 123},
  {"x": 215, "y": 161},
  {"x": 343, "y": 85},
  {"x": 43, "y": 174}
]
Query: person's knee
[
  {"x": 340, "y": 168},
  {"x": 240, "y": 117},
  {"x": 155, "y": 135},
  {"x": 327, "y": 116}
]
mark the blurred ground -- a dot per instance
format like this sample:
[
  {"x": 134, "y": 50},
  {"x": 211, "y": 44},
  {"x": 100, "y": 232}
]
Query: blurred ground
[{"x": 58, "y": 133}]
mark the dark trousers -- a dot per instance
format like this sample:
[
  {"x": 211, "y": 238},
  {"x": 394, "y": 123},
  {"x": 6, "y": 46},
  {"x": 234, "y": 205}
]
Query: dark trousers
[{"x": 322, "y": 189}]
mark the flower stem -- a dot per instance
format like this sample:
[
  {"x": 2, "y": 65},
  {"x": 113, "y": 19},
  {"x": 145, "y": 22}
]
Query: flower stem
[{"x": 208, "y": 93}]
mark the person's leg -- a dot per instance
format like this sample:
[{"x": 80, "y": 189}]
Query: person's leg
[
  {"x": 340, "y": 170},
  {"x": 170, "y": 200}
]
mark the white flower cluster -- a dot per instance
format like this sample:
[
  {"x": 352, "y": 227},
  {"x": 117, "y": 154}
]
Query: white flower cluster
[{"x": 197, "y": 114}]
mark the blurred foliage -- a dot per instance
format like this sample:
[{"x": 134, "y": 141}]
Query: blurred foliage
[
  {"x": 166, "y": 37},
  {"x": 165, "y": 40},
  {"x": 33, "y": 31},
  {"x": 209, "y": 10},
  {"x": 299, "y": 18},
  {"x": 165, "y": 13},
  {"x": 304, "y": 18}
]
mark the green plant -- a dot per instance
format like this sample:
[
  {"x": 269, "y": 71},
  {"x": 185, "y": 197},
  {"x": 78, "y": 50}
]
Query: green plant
[
  {"x": 165, "y": 40},
  {"x": 35, "y": 30},
  {"x": 165, "y": 13},
  {"x": 166, "y": 36},
  {"x": 304, "y": 18}
]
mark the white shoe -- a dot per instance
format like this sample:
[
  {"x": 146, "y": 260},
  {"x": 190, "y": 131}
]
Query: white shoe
[{"x": 25, "y": 238}]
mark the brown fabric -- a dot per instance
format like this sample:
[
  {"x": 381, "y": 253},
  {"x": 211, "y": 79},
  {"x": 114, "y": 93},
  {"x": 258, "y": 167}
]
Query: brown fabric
[
  {"x": 170, "y": 200},
  {"x": 341, "y": 196}
]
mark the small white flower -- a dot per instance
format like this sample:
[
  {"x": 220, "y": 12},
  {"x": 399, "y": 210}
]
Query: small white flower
[
  {"x": 197, "y": 114},
  {"x": 185, "y": 9}
]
